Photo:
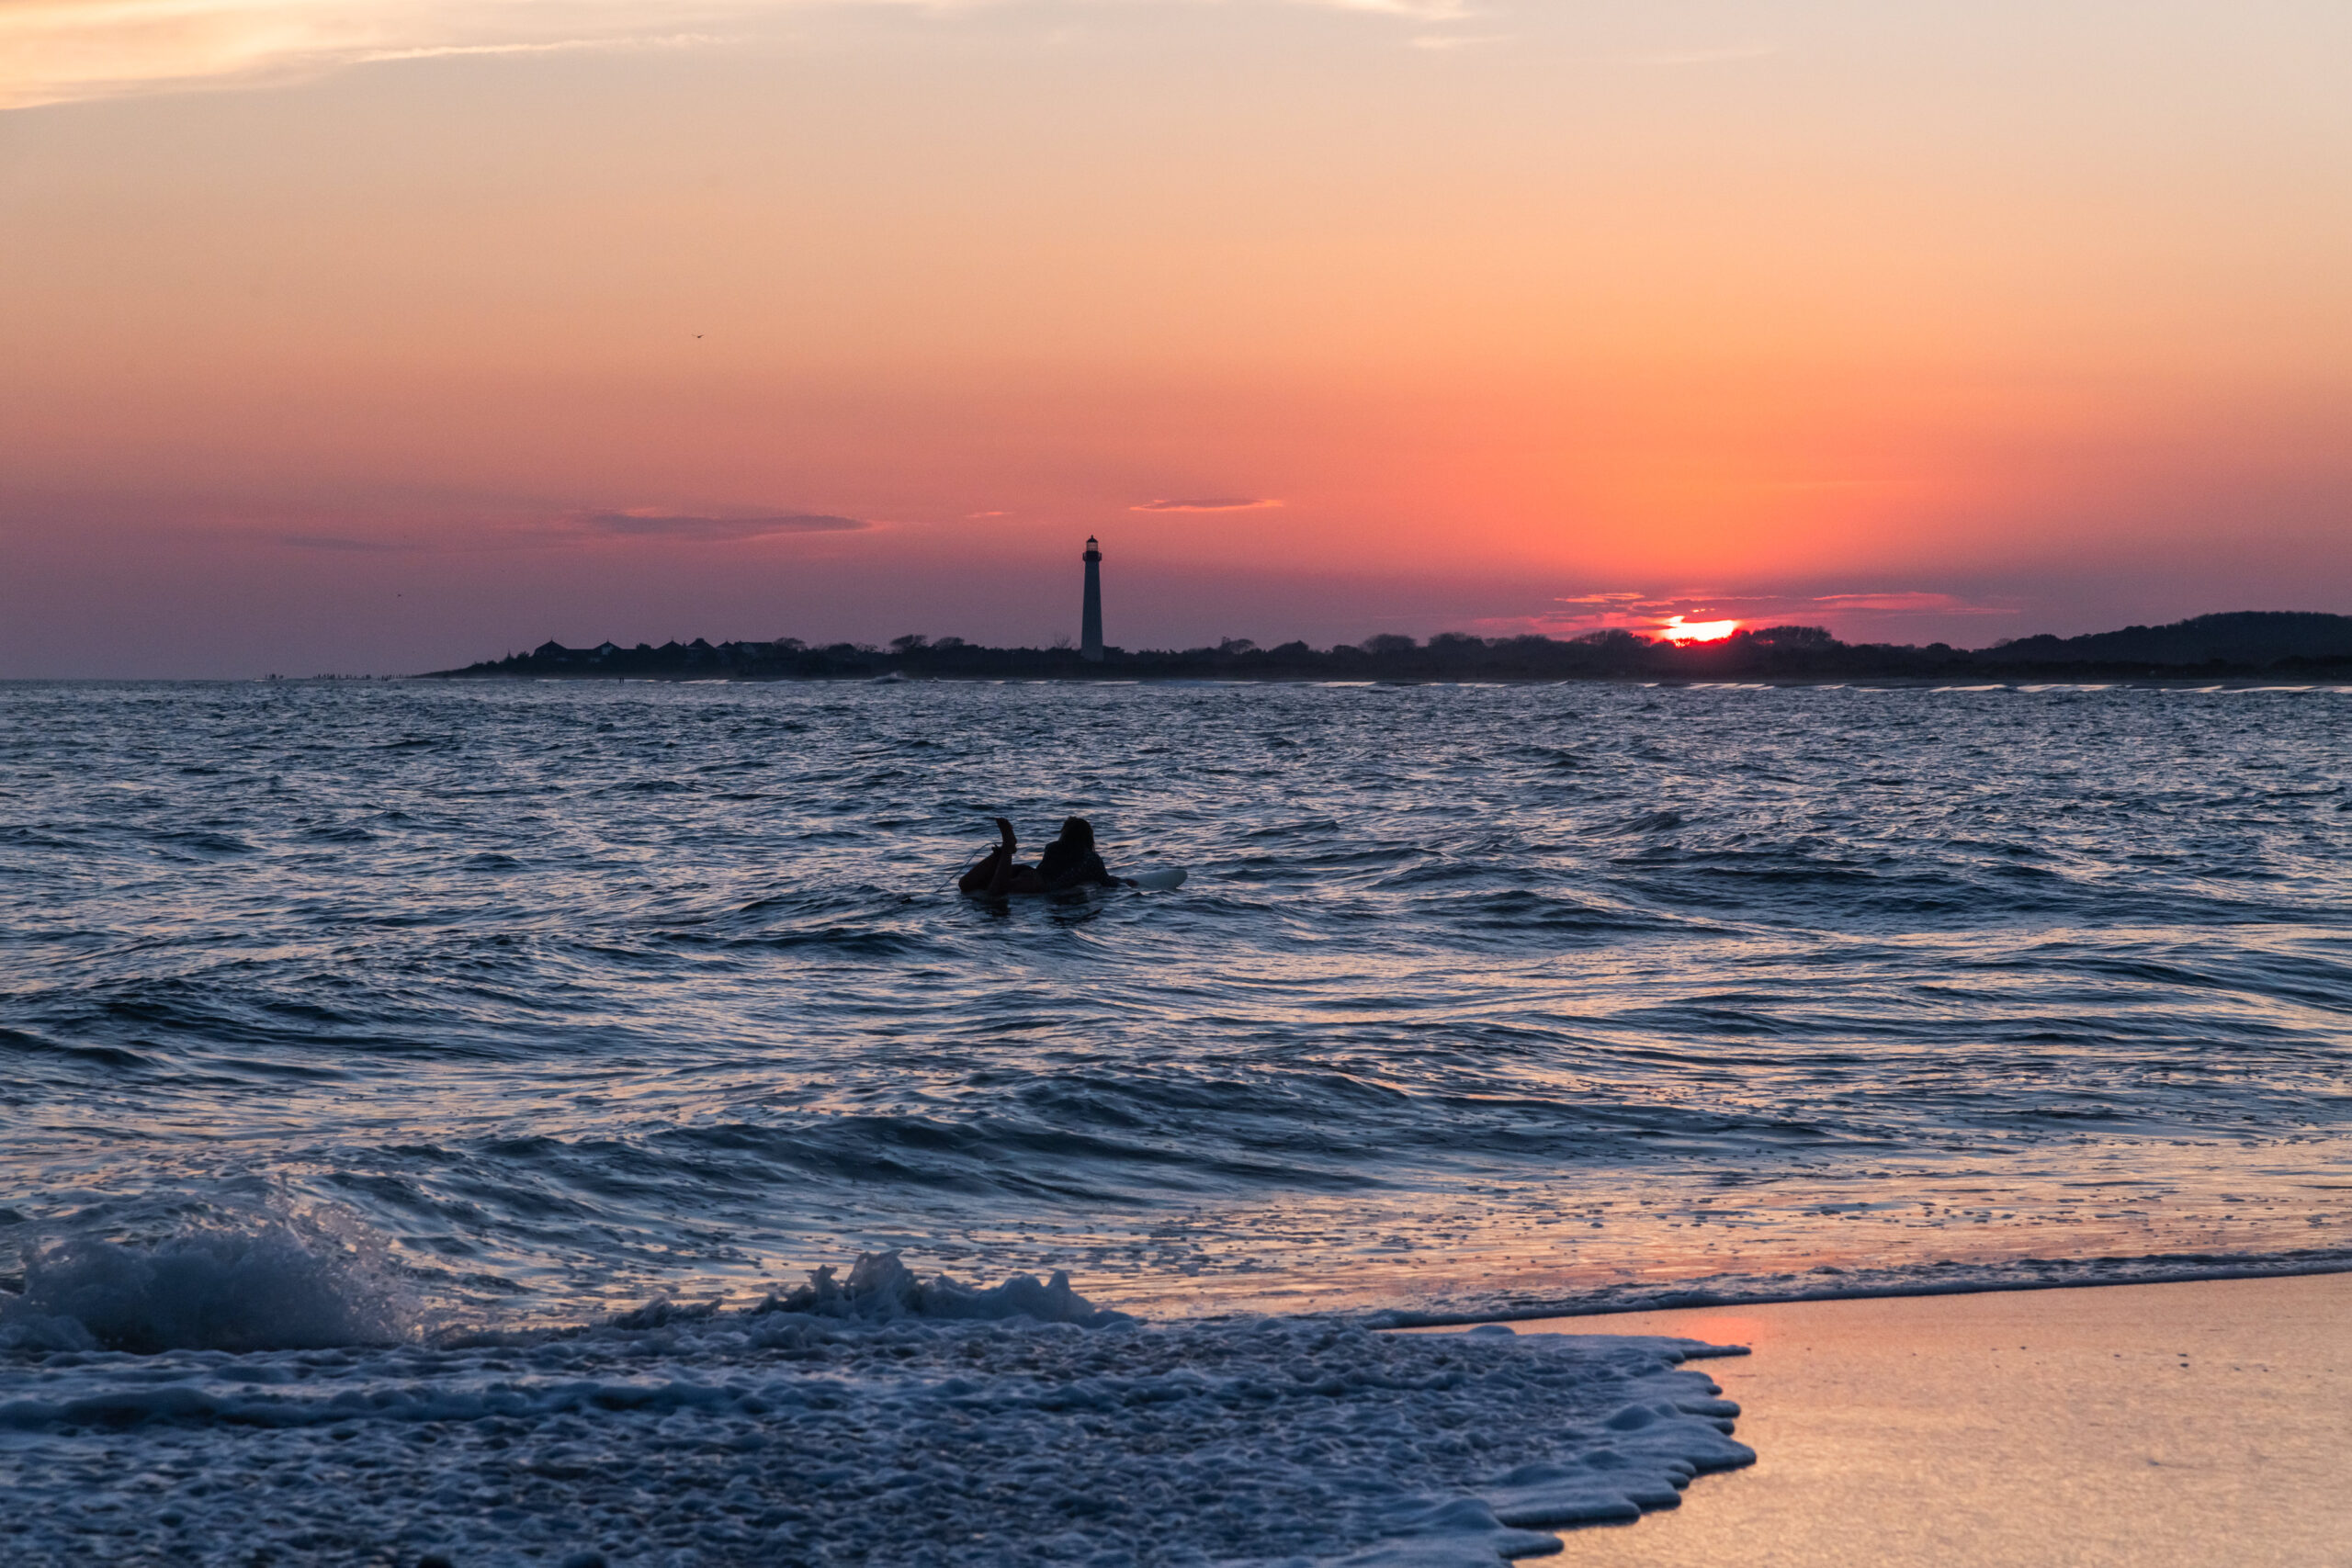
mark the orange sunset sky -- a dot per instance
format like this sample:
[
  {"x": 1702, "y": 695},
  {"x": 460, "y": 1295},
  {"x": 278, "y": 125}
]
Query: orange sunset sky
[{"x": 382, "y": 336}]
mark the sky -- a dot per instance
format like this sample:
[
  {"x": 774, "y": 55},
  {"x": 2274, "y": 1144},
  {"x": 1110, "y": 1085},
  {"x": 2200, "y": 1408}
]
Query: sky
[{"x": 387, "y": 336}]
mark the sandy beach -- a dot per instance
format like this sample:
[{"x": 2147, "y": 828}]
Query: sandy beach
[{"x": 2180, "y": 1425}]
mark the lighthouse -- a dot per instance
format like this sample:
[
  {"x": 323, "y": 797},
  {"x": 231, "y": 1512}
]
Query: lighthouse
[{"x": 1090, "y": 623}]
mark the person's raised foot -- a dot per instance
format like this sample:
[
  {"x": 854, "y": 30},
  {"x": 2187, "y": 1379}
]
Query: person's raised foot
[{"x": 1004, "y": 826}]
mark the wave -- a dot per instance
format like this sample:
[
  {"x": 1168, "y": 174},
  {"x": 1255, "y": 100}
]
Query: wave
[
  {"x": 307, "y": 1278},
  {"x": 882, "y": 1288},
  {"x": 1830, "y": 1282},
  {"x": 1473, "y": 995},
  {"x": 856, "y": 1421}
]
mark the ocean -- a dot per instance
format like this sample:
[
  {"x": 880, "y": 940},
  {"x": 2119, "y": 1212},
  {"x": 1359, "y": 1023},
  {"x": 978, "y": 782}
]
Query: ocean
[{"x": 491, "y": 1025}]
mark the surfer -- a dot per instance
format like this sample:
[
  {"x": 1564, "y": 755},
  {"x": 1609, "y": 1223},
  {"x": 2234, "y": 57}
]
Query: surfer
[{"x": 1068, "y": 862}]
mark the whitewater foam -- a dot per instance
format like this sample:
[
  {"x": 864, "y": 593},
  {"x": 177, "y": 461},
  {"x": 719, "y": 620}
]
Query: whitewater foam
[
  {"x": 297, "y": 1278},
  {"x": 878, "y": 1420}
]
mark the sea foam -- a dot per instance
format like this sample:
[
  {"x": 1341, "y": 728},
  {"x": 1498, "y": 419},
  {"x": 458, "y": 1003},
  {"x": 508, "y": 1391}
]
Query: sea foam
[
  {"x": 298, "y": 1278},
  {"x": 883, "y": 1418}
]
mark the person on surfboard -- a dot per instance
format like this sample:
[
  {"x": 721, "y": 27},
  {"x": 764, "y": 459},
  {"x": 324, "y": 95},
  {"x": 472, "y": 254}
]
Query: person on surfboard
[{"x": 1069, "y": 864}]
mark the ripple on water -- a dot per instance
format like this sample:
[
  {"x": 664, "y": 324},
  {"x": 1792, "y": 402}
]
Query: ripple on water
[{"x": 574, "y": 994}]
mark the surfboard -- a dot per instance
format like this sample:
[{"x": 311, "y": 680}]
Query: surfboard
[{"x": 1159, "y": 878}]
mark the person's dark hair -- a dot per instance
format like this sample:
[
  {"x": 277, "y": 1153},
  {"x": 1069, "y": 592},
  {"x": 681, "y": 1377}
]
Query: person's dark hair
[{"x": 1078, "y": 830}]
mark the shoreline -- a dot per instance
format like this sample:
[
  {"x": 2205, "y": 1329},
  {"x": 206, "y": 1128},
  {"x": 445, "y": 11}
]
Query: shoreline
[
  {"x": 1386, "y": 1320},
  {"x": 2194, "y": 1424},
  {"x": 2025, "y": 683},
  {"x": 1672, "y": 1299},
  {"x": 2014, "y": 681}
]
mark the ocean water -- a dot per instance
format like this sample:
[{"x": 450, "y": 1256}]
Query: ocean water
[
  {"x": 538, "y": 1001},
  {"x": 880, "y": 1421},
  {"x": 439, "y": 1120}
]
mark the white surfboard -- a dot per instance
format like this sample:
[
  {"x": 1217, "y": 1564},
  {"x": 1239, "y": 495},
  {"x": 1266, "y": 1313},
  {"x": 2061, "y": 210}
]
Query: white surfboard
[{"x": 1159, "y": 878}]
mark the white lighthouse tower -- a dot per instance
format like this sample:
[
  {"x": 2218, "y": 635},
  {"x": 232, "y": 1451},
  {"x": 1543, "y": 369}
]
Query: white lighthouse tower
[{"x": 1090, "y": 622}]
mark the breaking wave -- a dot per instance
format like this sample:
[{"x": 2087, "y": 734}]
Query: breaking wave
[
  {"x": 303, "y": 1279},
  {"x": 882, "y": 1288},
  {"x": 853, "y": 1422}
]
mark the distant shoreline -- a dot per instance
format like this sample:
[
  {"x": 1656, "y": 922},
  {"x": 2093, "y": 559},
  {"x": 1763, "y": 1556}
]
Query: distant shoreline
[
  {"x": 2241, "y": 647},
  {"x": 2259, "y": 682}
]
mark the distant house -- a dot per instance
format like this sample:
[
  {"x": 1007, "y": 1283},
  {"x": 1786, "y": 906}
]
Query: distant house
[
  {"x": 606, "y": 650},
  {"x": 552, "y": 652}
]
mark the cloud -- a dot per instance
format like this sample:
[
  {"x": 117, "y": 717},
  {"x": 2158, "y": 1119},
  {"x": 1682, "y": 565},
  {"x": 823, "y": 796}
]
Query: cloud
[
  {"x": 1911, "y": 600},
  {"x": 645, "y": 524},
  {"x": 1214, "y": 503},
  {"x": 64, "y": 50},
  {"x": 54, "y": 51},
  {"x": 1416, "y": 10},
  {"x": 1626, "y": 609},
  {"x": 1856, "y": 616},
  {"x": 1885, "y": 610},
  {"x": 1758, "y": 607},
  {"x": 557, "y": 46}
]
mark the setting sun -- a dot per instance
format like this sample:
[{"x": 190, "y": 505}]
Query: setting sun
[{"x": 1676, "y": 629}]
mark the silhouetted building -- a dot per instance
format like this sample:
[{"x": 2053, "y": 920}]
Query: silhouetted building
[{"x": 1090, "y": 624}]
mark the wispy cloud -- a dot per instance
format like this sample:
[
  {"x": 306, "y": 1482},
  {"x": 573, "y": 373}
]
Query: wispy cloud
[
  {"x": 61, "y": 51},
  {"x": 56, "y": 51},
  {"x": 1632, "y": 610},
  {"x": 1212, "y": 504},
  {"x": 1873, "y": 612},
  {"x": 1911, "y": 601},
  {"x": 650, "y": 524},
  {"x": 557, "y": 46},
  {"x": 1418, "y": 10}
]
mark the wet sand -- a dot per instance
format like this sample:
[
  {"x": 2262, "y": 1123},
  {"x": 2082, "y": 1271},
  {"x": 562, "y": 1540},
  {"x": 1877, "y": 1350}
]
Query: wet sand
[{"x": 2149, "y": 1426}]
